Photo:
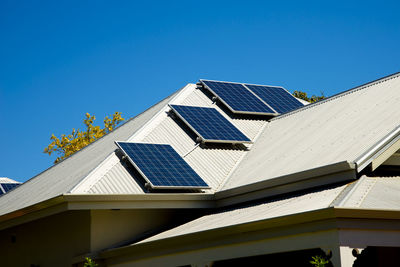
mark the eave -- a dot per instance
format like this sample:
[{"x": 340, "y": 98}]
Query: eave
[{"x": 97, "y": 202}]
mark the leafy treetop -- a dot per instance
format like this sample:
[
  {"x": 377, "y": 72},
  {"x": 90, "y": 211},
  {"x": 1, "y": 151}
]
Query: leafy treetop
[
  {"x": 69, "y": 144},
  {"x": 312, "y": 99}
]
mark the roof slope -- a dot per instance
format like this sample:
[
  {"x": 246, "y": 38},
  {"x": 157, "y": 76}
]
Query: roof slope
[
  {"x": 338, "y": 129},
  {"x": 63, "y": 176}
]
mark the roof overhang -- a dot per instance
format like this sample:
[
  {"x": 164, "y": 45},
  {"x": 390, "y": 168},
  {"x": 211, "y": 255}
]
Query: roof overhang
[
  {"x": 101, "y": 202},
  {"x": 323, "y": 220}
]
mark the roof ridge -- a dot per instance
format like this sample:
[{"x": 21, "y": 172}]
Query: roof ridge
[{"x": 341, "y": 94}]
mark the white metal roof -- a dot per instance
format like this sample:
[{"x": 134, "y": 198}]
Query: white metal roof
[{"x": 335, "y": 130}]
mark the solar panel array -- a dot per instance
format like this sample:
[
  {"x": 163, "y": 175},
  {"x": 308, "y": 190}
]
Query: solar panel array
[
  {"x": 277, "y": 97},
  {"x": 209, "y": 124},
  {"x": 253, "y": 99},
  {"x": 162, "y": 166},
  {"x": 238, "y": 98},
  {"x": 8, "y": 186}
]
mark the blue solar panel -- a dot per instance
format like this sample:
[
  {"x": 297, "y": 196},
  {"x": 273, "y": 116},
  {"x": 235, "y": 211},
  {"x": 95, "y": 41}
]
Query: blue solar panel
[
  {"x": 209, "y": 124},
  {"x": 277, "y": 97},
  {"x": 162, "y": 166},
  {"x": 7, "y": 186},
  {"x": 238, "y": 98}
]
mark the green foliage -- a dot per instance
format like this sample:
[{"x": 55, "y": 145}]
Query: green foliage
[
  {"x": 89, "y": 263},
  {"x": 312, "y": 99},
  {"x": 69, "y": 144},
  {"x": 319, "y": 261}
]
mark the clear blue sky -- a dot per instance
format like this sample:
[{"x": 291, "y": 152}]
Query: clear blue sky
[{"x": 61, "y": 59}]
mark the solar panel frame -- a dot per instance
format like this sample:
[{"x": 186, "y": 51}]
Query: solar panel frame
[
  {"x": 233, "y": 110},
  {"x": 181, "y": 116},
  {"x": 148, "y": 180},
  {"x": 271, "y": 103}
]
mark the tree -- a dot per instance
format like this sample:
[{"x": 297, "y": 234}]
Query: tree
[
  {"x": 312, "y": 99},
  {"x": 67, "y": 145}
]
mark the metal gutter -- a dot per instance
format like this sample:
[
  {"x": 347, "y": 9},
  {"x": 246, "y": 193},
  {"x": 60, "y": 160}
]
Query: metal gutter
[
  {"x": 377, "y": 149},
  {"x": 334, "y": 173},
  {"x": 91, "y": 202},
  {"x": 141, "y": 201}
]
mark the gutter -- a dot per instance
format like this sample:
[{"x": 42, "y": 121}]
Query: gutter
[
  {"x": 377, "y": 149},
  {"x": 67, "y": 202},
  {"x": 330, "y": 174}
]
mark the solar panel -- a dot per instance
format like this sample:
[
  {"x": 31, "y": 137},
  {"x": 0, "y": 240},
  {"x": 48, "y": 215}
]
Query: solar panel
[
  {"x": 277, "y": 97},
  {"x": 161, "y": 166},
  {"x": 9, "y": 186},
  {"x": 209, "y": 124},
  {"x": 238, "y": 98}
]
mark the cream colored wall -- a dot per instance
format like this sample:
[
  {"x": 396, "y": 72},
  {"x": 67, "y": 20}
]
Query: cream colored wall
[
  {"x": 48, "y": 242},
  {"x": 113, "y": 227}
]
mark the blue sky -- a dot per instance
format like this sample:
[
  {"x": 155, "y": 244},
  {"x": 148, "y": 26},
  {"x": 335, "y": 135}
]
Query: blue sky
[{"x": 61, "y": 59}]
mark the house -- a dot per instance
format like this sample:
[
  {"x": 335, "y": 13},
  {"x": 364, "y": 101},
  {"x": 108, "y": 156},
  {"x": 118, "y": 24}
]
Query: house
[{"x": 322, "y": 179}]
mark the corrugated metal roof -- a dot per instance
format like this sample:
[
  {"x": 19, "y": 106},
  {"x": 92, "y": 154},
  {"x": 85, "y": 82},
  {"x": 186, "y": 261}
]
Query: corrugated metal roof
[
  {"x": 256, "y": 212},
  {"x": 338, "y": 129},
  {"x": 367, "y": 192},
  {"x": 62, "y": 177}
]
